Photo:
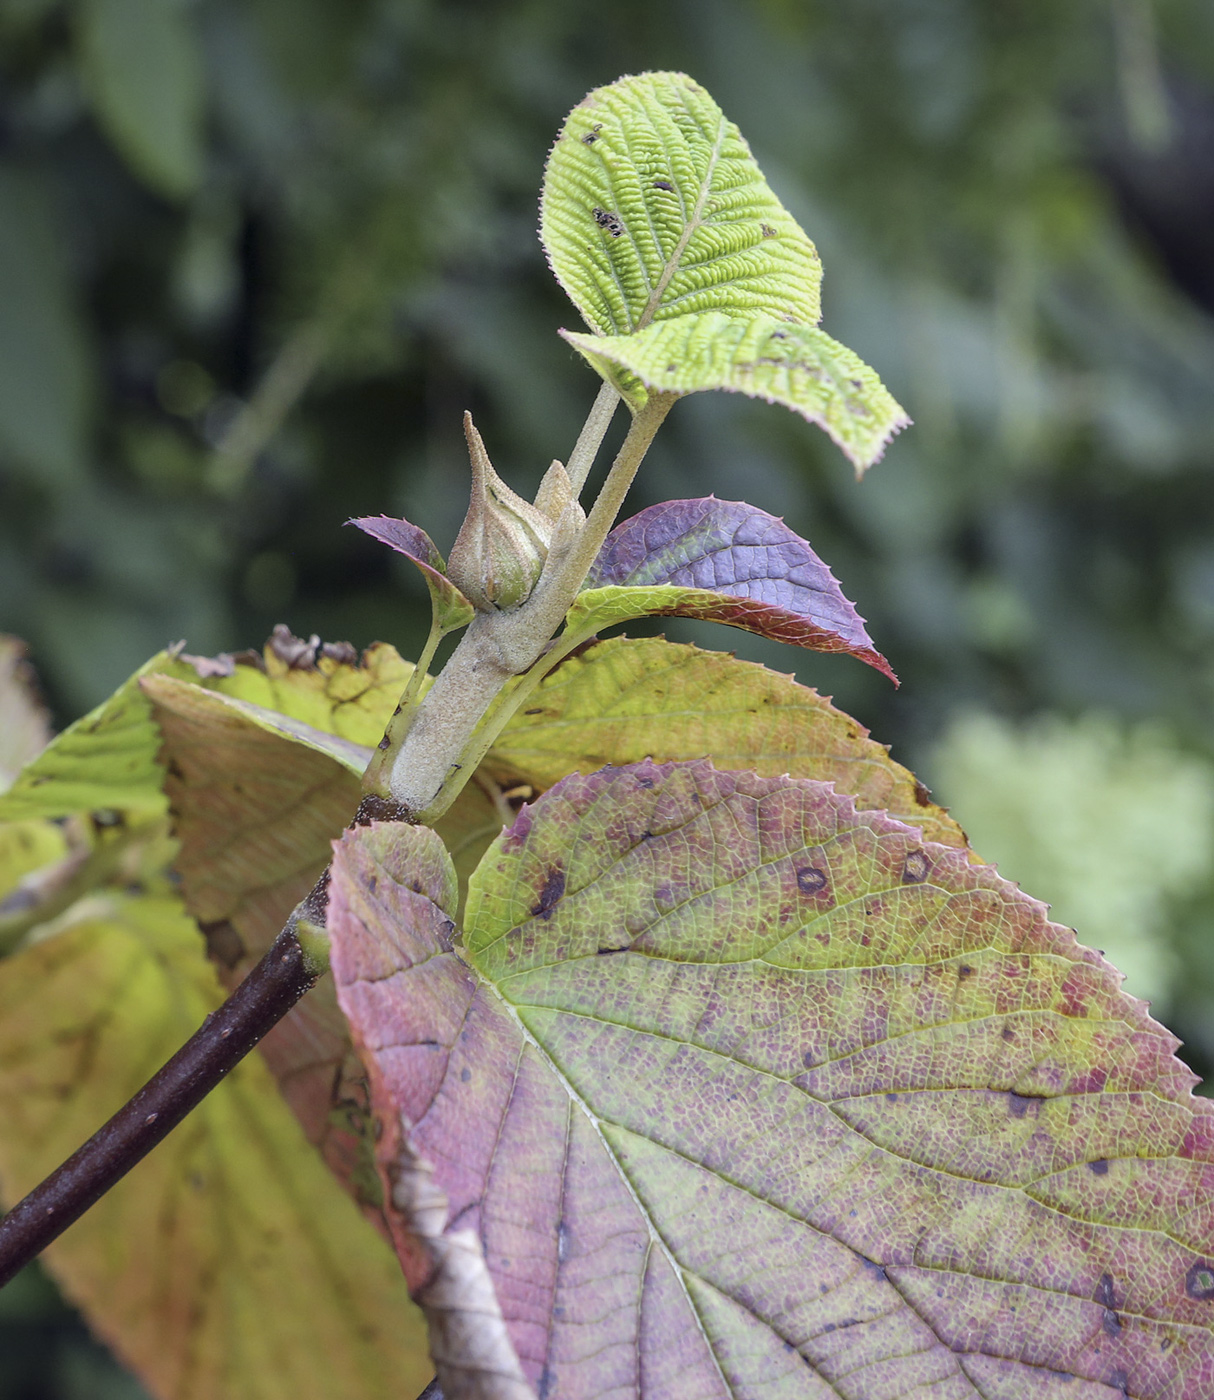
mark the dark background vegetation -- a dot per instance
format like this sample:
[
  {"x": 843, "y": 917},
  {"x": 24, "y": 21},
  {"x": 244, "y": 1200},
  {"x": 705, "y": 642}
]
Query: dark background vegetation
[{"x": 256, "y": 257}]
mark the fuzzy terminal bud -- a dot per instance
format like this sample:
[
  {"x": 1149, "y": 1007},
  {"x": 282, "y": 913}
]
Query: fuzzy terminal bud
[{"x": 500, "y": 550}]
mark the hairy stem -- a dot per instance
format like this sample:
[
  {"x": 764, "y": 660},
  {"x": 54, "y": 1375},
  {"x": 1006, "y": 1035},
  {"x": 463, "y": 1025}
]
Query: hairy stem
[
  {"x": 590, "y": 439},
  {"x": 227, "y": 1035},
  {"x": 442, "y": 746}
]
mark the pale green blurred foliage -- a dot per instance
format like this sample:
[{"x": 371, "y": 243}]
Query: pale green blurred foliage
[{"x": 1108, "y": 824}]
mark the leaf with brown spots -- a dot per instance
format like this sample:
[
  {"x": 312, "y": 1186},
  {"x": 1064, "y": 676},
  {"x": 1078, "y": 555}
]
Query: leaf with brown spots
[{"x": 842, "y": 1115}]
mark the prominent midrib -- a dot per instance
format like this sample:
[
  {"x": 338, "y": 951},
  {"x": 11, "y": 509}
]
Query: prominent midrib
[{"x": 689, "y": 231}]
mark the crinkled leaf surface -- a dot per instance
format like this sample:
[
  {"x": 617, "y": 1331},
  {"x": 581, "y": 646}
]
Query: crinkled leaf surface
[
  {"x": 727, "y": 562},
  {"x": 627, "y": 698},
  {"x": 653, "y": 207},
  {"x": 688, "y": 270},
  {"x": 763, "y": 357},
  {"x": 451, "y": 608},
  {"x": 228, "y": 1265},
  {"x": 743, "y": 1093}
]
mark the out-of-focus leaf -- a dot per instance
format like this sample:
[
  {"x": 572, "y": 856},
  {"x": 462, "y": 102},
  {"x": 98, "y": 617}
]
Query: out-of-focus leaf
[
  {"x": 451, "y": 609},
  {"x": 632, "y": 698},
  {"x": 25, "y": 728},
  {"x": 763, "y": 357},
  {"x": 228, "y": 1265},
  {"x": 654, "y": 207},
  {"x": 46, "y": 369},
  {"x": 105, "y": 761},
  {"x": 723, "y": 561},
  {"x": 144, "y": 75},
  {"x": 736, "y": 1090}
]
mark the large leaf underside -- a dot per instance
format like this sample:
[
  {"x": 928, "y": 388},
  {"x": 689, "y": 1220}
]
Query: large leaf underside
[{"x": 746, "y": 1094}]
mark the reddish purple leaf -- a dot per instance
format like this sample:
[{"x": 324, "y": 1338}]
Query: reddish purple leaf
[
  {"x": 739, "y": 1092},
  {"x": 451, "y": 608},
  {"x": 732, "y": 563}
]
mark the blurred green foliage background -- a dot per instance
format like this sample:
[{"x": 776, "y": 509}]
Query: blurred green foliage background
[{"x": 257, "y": 256}]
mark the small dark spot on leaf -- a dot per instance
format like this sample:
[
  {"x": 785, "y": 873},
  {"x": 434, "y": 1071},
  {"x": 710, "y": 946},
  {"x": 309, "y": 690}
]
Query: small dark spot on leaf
[
  {"x": 664, "y": 185},
  {"x": 537, "y": 711},
  {"x": 1019, "y": 1104},
  {"x": 811, "y": 880},
  {"x": 672, "y": 369},
  {"x": 768, "y": 231},
  {"x": 372, "y": 883},
  {"x": 1199, "y": 1281},
  {"x": 1100, "y": 1167},
  {"x": 807, "y": 1059},
  {"x": 1121, "y": 1381},
  {"x": 1111, "y": 1322},
  {"x": 922, "y": 796},
  {"x": 554, "y": 888},
  {"x": 915, "y": 868},
  {"x": 645, "y": 782},
  {"x": 892, "y": 1096},
  {"x": 593, "y": 135},
  {"x": 603, "y": 952},
  {"x": 464, "y": 1075},
  {"x": 607, "y": 219},
  {"x": 429, "y": 1044},
  {"x": 1007, "y": 1033},
  {"x": 384, "y": 743},
  {"x": 965, "y": 971}
]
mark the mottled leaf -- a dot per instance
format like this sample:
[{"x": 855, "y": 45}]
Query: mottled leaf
[
  {"x": 143, "y": 71},
  {"x": 763, "y": 357},
  {"x": 25, "y": 728},
  {"x": 256, "y": 798},
  {"x": 653, "y": 206},
  {"x": 228, "y": 1265},
  {"x": 742, "y": 1092},
  {"x": 727, "y": 562},
  {"x": 627, "y": 699},
  {"x": 451, "y": 609}
]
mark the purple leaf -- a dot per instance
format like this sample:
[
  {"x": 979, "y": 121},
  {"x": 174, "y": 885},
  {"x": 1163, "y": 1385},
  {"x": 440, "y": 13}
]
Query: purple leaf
[
  {"x": 451, "y": 608},
  {"x": 734, "y": 564}
]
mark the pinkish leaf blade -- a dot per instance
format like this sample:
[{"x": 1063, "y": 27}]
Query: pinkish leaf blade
[
  {"x": 451, "y": 609},
  {"x": 723, "y": 561},
  {"x": 742, "y": 1092}
]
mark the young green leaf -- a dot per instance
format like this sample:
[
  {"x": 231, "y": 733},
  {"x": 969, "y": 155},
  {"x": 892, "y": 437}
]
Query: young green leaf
[
  {"x": 653, "y": 207},
  {"x": 742, "y": 1091},
  {"x": 451, "y": 608},
  {"x": 228, "y": 1265},
  {"x": 727, "y": 562},
  {"x": 798, "y": 366},
  {"x": 690, "y": 273}
]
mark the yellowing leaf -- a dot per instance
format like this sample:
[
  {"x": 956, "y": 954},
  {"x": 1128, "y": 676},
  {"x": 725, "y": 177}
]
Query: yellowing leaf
[
  {"x": 228, "y": 1265},
  {"x": 627, "y": 699}
]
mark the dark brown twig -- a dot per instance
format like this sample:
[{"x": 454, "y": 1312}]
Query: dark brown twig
[{"x": 265, "y": 996}]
